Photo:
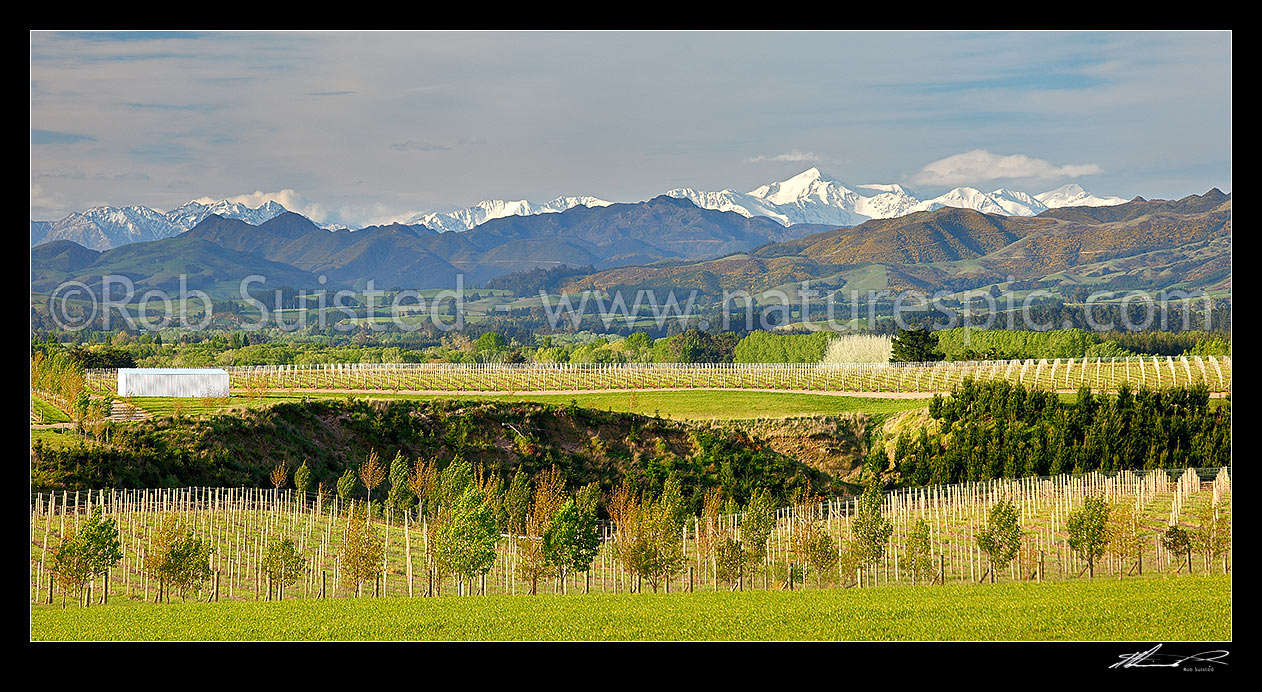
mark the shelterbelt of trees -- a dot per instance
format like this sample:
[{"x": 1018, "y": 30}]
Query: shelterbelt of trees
[
  {"x": 197, "y": 349},
  {"x": 1003, "y": 430}
]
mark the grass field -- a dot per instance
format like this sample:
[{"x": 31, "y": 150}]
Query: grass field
[
  {"x": 49, "y": 413},
  {"x": 56, "y": 437},
  {"x": 688, "y": 404},
  {"x": 1167, "y": 609}
]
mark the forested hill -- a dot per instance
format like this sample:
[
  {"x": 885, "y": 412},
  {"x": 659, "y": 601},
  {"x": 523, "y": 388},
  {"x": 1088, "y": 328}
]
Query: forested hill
[{"x": 242, "y": 447}]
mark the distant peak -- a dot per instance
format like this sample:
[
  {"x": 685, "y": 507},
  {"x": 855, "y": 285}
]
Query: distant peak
[{"x": 809, "y": 175}]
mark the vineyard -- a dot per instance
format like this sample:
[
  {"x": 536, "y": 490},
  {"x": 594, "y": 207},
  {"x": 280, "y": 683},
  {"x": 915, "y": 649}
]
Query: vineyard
[
  {"x": 1100, "y": 374},
  {"x": 936, "y": 536}
]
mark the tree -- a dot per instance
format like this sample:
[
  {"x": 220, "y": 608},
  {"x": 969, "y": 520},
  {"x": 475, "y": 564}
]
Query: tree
[
  {"x": 810, "y": 542},
  {"x": 1178, "y": 542},
  {"x": 572, "y": 539},
  {"x": 649, "y": 534},
  {"x": 280, "y": 474},
  {"x": 361, "y": 553},
  {"x": 756, "y": 527},
  {"x": 1001, "y": 538},
  {"x": 422, "y": 481},
  {"x": 347, "y": 485},
  {"x": 917, "y": 562},
  {"x": 1088, "y": 532},
  {"x": 661, "y": 550},
  {"x": 1126, "y": 541},
  {"x": 490, "y": 341},
  {"x": 467, "y": 541},
  {"x": 870, "y": 528},
  {"x": 1213, "y": 537},
  {"x": 283, "y": 564},
  {"x": 180, "y": 559},
  {"x": 915, "y": 346},
  {"x": 400, "y": 497},
  {"x": 302, "y": 479},
  {"x": 531, "y": 527},
  {"x": 729, "y": 559},
  {"x": 372, "y": 473},
  {"x": 87, "y": 553}
]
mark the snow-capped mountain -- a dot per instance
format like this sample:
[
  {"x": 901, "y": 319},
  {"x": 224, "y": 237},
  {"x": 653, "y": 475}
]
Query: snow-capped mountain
[
  {"x": 812, "y": 197},
  {"x": 1000, "y": 201},
  {"x": 103, "y": 228},
  {"x": 1072, "y": 195},
  {"x": 464, "y": 219},
  {"x": 808, "y": 197},
  {"x": 194, "y": 212}
]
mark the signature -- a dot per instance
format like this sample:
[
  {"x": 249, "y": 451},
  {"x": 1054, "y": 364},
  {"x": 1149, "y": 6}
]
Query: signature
[{"x": 1152, "y": 659}]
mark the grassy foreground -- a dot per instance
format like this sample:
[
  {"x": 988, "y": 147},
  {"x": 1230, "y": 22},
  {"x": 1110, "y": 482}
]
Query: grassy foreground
[
  {"x": 1180, "y": 608},
  {"x": 687, "y": 404}
]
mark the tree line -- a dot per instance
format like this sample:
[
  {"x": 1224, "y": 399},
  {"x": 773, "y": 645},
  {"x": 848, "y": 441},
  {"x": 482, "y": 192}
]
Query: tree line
[{"x": 993, "y": 430}]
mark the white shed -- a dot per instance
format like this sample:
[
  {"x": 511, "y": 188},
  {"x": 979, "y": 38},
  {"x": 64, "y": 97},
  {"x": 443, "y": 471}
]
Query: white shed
[{"x": 181, "y": 382}]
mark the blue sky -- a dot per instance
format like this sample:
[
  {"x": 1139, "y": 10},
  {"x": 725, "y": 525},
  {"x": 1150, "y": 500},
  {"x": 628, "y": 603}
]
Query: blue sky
[{"x": 359, "y": 127}]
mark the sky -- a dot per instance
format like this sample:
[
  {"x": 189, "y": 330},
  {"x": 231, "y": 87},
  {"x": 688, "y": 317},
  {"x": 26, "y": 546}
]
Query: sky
[{"x": 368, "y": 127}]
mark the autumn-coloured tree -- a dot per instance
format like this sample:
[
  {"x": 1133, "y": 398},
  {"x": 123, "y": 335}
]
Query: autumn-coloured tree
[
  {"x": 179, "y": 558},
  {"x": 372, "y": 472},
  {"x": 808, "y": 539},
  {"x": 1212, "y": 538},
  {"x": 708, "y": 526},
  {"x": 546, "y": 501},
  {"x": 361, "y": 551},
  {"x": 422, "y": 480},
  {"x": 280, "y": 474},
  {"x": 1126, "y": 540}
]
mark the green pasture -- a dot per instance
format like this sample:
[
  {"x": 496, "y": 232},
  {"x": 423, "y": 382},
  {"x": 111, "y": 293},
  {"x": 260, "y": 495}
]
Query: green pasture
[
  {"x": 687, "y": 404},
  {"x": 1148, "y": 609},
  {"x": 50, "y": 413}
]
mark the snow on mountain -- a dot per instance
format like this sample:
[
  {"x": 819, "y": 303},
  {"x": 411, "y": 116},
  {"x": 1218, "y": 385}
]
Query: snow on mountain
[
  {"x": 729, "y": 200},
  {"x": 102, "y": 228},
  {"x": 194, "y": 212},
  {"x": 808, "y": 197},
  {"x": 812, "y": 197},
  {"x": 465, "y": 219},
  {"x": 1072, "y": 195}
]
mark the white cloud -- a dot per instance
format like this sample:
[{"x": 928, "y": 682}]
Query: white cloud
[
  {"x": 287, "y": 198},
  {"x": 794, "y": 156},
  {"x": 979, "y": 165}
]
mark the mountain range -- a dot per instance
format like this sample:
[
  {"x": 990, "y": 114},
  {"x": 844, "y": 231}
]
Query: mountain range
[
  {"x": 103, "y": 228},
  {"x": 1139, "y": 244},
  {"x": 291, "y": 250},
  {"x": 810, "y": 197}
]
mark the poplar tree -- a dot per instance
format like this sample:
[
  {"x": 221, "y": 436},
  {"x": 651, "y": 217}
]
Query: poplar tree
[
  {"x": 1001, "y": 539},
  {"x": 1088, "y": 531}
]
